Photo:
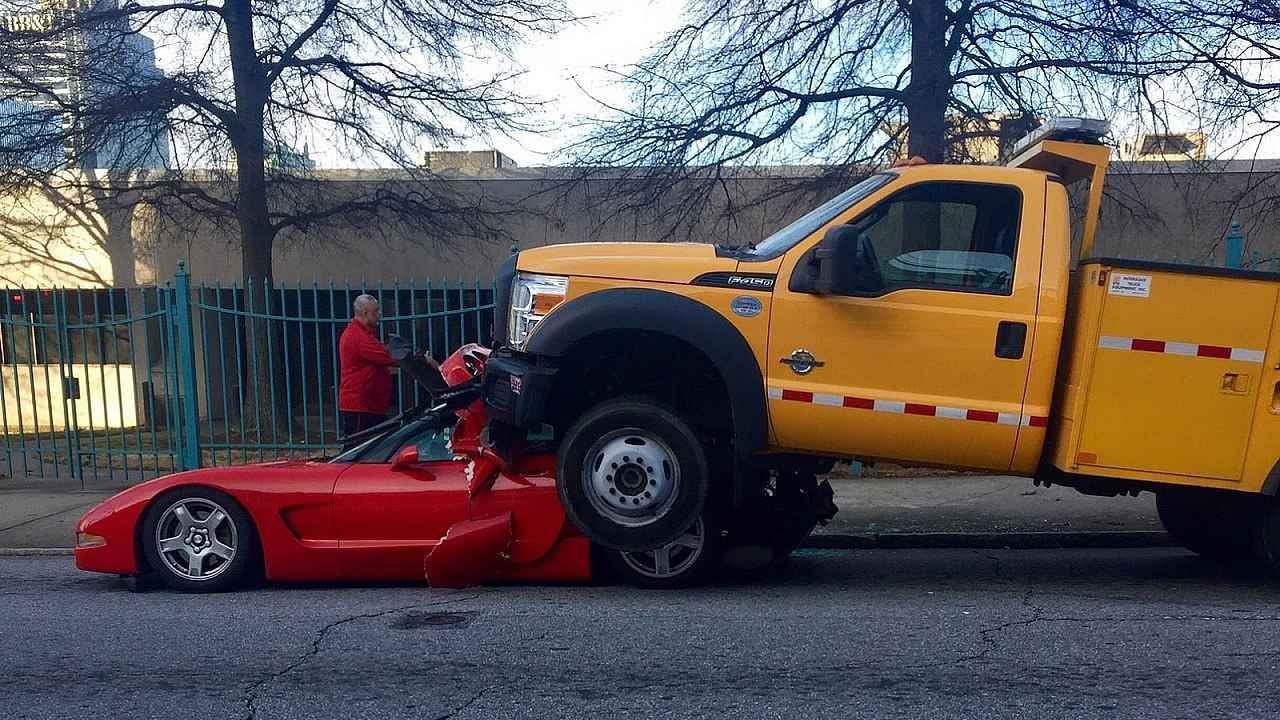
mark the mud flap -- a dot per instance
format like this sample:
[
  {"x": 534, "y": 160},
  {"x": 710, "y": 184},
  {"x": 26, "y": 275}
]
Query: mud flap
[{"x": 471, "y": 552}]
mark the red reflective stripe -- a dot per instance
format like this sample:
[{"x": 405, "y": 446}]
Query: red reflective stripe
[
  {"x": 798, "y": 395},
  {"x": 982, "y": 415},
  {"x": 862, "y": 403},
  {"x": 1213, "y": 351},
  {"x": 918, "y": 409},
  {"x": 1148, "y": 345},
  {"x": 1039, "y": 421}
]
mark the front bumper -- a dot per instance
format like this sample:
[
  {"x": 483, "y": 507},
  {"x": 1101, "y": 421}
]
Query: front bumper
[
  {"x": 516, "y": 388},
  {"x": 113, "y": 551}
]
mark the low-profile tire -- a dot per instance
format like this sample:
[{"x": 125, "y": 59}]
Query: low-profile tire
[
  {"x": 686, "y": 561},
  {"x": 632, "y": 475},
  {"x": 1214, "y": 525},
  {"x": 197, "y": 539}
]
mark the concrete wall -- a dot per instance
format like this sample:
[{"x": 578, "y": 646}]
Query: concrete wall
[
  {"x": 1153, "y": 211},
  {"x": 32, "y": 397}
]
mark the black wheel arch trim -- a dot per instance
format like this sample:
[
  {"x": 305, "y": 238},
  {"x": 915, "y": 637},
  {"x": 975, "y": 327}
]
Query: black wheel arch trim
[
  {"x": 1271, "y": 485},
  {"x": 682, "y": 318}
]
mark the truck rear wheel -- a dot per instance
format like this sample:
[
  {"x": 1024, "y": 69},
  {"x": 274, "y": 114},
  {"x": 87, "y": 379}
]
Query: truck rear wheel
[
  {"x": 632, "y": 475},
  {"x": 1214, "y": 525},
  {"x": 1266, "y": 535}
]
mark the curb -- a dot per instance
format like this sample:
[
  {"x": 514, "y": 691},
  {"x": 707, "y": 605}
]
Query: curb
[
  {"x": 21, "y": 552},
  {"x": 908, "y": 541},
  {"x": 991, "y": 540}
]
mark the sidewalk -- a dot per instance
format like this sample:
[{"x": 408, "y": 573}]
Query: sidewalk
[
  {"x": 964, "y": 510},
  {"x": 983, "y": 511}
]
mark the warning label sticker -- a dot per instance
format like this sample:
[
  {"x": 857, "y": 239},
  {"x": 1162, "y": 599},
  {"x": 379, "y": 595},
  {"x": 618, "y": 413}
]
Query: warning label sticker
[{"x": 1130, "y": 285}]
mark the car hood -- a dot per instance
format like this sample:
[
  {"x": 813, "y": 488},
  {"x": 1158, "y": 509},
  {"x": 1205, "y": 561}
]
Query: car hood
[{"x": 658, "y": 262}]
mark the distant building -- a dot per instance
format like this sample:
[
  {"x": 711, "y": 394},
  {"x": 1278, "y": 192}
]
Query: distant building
[
  {"x": 1165, "y": 147},
  {"x": 987, "y": 140},
  {"x": 466, "y": 160},
  {"x": 93, "y": 66},
  {"x": 282, "y": 158}
]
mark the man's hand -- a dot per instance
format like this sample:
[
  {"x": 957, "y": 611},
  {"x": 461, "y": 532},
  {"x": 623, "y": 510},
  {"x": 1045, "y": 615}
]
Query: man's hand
[{"x": 430, "y": 361}]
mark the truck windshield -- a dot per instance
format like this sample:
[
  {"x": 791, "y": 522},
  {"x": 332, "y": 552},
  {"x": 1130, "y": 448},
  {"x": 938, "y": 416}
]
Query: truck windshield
[{"x": 803, "y": 227}]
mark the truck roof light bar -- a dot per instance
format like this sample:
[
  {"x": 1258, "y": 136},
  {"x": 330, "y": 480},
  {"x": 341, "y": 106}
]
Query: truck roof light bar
[{"x": 1081, "y": 130}]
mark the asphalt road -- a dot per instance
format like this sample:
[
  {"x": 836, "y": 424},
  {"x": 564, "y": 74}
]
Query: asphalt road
[{"x": 1152, "y": 633}]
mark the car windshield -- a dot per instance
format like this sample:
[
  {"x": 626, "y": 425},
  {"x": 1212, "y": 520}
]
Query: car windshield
[
  {"x": 351, "y": 454},
  {"x": 806, "y": 225}
]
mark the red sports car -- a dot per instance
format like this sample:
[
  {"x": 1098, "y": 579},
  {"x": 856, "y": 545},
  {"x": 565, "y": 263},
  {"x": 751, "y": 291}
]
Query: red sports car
[{"x": 398, "y": 505}]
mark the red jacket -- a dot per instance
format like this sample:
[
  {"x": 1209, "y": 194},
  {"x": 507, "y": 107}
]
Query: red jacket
[{"x": 365, "y": 385}]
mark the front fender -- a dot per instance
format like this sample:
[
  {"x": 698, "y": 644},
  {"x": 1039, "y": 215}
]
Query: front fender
[{"x": 679, "y": 317}]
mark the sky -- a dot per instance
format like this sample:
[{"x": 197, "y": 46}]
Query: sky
[
  {"x": 567, "y": 69},
  {"x": 612, "y": 34}
]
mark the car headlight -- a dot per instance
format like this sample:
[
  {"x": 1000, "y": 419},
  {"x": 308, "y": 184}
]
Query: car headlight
[
  {"x": 532, "y": 297},
  {"x": 86, "y": 540}
]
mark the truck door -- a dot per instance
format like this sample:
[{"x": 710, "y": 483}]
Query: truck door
[{"x": 930, "y": 363}]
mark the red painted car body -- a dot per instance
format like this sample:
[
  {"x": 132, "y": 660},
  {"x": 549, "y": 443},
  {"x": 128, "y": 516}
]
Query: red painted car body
[{"x": 455, "y": 522}]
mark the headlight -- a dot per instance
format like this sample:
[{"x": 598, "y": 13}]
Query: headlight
[
  {"x": 532, "y": 297},
  {"x": 85, "y": 540}
]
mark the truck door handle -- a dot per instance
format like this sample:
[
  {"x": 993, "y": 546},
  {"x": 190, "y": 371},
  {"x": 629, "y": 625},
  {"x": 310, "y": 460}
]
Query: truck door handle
[
  {"x": 1011, "y": 340},
  {"x": 801, "y": 361}
]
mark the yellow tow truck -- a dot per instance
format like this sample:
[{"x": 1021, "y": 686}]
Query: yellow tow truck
[{"x": 928, "y": 315}]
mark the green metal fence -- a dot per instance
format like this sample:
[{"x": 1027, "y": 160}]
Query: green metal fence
[{"x": 116, "y": 385}]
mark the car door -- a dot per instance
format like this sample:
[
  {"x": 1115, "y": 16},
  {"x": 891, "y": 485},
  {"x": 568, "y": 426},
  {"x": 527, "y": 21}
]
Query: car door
[
  {"x": 930, "y": 365},
  {"x": 388, "y": 519}
]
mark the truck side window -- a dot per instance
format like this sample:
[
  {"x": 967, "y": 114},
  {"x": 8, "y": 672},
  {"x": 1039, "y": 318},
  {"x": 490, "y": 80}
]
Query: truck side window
[{"x": 946, "y": 235}]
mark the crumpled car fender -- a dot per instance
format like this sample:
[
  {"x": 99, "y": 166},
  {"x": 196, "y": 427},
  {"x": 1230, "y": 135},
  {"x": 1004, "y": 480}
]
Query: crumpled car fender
[{"x": 471, "y": 552}]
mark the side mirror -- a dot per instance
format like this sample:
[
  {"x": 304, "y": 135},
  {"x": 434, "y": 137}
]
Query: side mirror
[
  {"x": 846, "y": 263},
  {"x": 405, "y": 459}
]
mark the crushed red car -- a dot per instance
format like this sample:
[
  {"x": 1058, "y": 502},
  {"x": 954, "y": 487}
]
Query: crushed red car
[{"x": 398, "y": 504}]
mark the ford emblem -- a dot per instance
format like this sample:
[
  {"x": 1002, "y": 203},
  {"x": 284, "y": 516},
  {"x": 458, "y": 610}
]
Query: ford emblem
[{"x": 746, "y": 306}]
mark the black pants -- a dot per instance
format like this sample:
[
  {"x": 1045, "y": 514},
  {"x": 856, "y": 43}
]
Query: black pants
[{"x": 354, "y": 422}]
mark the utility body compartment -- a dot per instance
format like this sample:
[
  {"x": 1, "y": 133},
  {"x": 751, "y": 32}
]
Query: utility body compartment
[{"x": 1170, "y": 374}]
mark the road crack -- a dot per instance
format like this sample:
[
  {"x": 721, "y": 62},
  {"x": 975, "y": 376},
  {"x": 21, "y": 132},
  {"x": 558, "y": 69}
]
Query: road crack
[
  {"x": 466, "y": 704},
  {"x": 251, "y": 694}
]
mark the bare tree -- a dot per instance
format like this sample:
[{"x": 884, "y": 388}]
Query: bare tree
[
  {"x": 848, "y": 83},
  {"x": 245, "y": 85},
  {"x": 87, "y": 115}
]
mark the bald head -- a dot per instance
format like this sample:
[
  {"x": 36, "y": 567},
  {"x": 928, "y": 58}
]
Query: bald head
[{"x": 366, "y": 311}]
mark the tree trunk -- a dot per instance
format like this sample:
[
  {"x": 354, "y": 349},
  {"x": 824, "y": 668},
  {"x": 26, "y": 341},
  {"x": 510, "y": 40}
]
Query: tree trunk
[
  {"x": 927, "y": 94},
  {"x": 263, "y": 404}
]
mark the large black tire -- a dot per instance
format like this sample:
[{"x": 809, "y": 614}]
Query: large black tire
[
  {"x": 1216, "y": 525},
  {"x": 212, "y": 545},
  {"x": 632, "y": 475},
  {"x": 1266, "y": 535},
  {"x": 686, "y": 561}
]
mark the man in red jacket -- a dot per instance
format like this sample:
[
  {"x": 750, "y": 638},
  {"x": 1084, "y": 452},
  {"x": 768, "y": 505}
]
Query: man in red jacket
[{"x": 364, "y": 391}]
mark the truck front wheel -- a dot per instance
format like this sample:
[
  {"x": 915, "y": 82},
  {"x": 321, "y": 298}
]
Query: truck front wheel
[{"x": 632, "y": 475}]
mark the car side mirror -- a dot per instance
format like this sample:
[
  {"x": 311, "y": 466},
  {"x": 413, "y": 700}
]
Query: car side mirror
[
  {"x": 846, "y": 263},
  {"x": 405, "y": 459}
]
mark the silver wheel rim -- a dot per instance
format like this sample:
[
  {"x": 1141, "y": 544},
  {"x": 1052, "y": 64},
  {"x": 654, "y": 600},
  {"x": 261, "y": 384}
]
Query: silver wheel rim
[
  {"x": 631, "y": 477},
  {"x": 671, "y": 559},
  {"x": 196, "y": 539}
]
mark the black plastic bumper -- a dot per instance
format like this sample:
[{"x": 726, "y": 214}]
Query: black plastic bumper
[{"x": 516, "y": 388}]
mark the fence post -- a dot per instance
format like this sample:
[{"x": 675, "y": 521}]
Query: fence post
[
  {"x": 1235, "y": 245},
  {"x": 190, "y": 427}
]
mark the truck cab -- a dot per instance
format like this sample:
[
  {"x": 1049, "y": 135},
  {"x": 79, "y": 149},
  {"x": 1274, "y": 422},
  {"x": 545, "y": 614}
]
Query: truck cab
[{"x": 918, "y": 317}]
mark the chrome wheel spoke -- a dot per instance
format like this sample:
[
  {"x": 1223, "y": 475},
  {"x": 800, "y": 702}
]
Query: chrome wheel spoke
[
  {"x": 172, "y": 544},
  {"x": 185, "y": 519},
  {"x": 215, "y": 519},
  {"x": 688, "y": 540},
  {"x": 195, "y": 564},
  {"x": 662, "y": 561},
  {"x": 223, "y": 551}
]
